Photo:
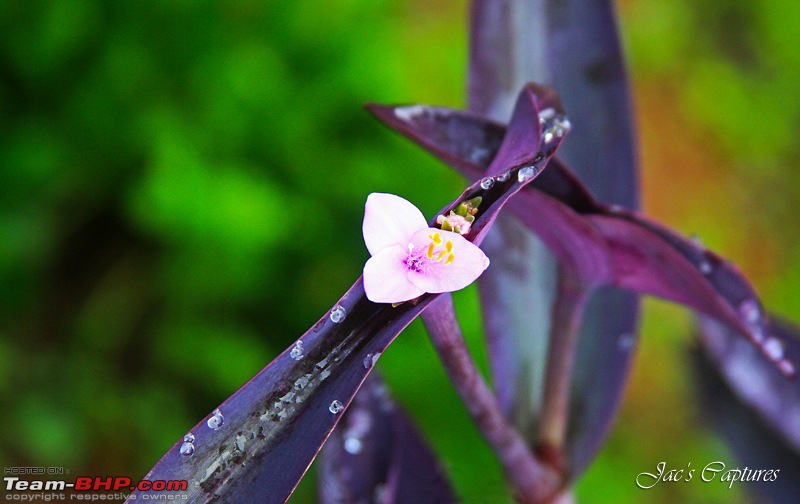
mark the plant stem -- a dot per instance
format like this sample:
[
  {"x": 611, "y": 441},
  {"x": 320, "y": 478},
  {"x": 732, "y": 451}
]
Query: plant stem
[
  {"x": 567, "y": 317},
  {"x": 532, "y": 481}
]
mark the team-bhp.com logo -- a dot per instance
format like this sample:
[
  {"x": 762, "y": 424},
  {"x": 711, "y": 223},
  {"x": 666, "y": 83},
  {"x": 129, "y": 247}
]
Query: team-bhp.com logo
[{"x": 18, "y": 489}]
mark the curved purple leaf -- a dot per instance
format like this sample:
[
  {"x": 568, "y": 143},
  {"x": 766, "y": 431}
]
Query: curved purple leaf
[
  {"x": 605, "y": 247},
  {"x": 652, "y": 259},
  {"x": 376, "y": 455},
  {"x": 571, "y": 46},
  {"x": 753, "y": 378},
  {"x": 752, "y": 406},
  {"x": 276, "y": 423},
  {"x": 608, "y": 245}
]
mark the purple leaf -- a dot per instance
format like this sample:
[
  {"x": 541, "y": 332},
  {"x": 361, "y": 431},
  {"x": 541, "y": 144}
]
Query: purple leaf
[
  {"x": 572, "y": 47},
  {"x": 608, "y": 245},
  {"x": 752, "y": 405},
  {"x": 376, "y": 455},
  {"x": 753, "y": 377},
  {"x": 276, "y": 423},
  {"x": 604, "y": 246}
]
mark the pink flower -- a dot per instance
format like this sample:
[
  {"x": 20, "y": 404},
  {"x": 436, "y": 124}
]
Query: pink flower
[{"x": 409, "y": 258}]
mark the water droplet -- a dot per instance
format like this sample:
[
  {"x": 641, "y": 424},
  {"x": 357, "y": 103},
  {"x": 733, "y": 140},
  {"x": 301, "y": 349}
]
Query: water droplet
[
  {"x": 774, "y": 349},
  {"x": 353, "y": 445},
  {"x": 187, "y": 449},
  {"x": 336, "y": 407},
  {"x": 216, "y": 420},
  {"x": 487, "y": 183},
  {"x": 705, "y": 267},
  {"x": 188, "y": 438},
  {"x": 479, "y": 155},
  {"x": 786, "y": 367},
  {"x": 625, "y": 341},
  {"x": 526, "y": 173},
  {"x": 504, "y": 176},
  {"x": 557, "y": 128},
  {"x": 562, "y": 125},
  {"x": 547, "y": 113},
  {"x": 297, "y": 351},
  {"x": 370, "y": 359},
  {"x": 338, "y": 313},
  {"x": 384, "y": 399},
  {"x": 410, "y": 113},
  {"x": 750, "y": 311}
]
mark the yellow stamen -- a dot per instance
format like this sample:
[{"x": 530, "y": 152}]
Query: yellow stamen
[{"x": 439, "y": 255}]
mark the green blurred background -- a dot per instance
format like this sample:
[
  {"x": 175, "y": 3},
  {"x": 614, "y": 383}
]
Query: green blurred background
[{"x": 182, "y": 187}]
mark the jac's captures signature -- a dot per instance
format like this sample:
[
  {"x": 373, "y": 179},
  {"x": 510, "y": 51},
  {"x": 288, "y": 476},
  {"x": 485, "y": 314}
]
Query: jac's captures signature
[{"x": 713, "y": 471}]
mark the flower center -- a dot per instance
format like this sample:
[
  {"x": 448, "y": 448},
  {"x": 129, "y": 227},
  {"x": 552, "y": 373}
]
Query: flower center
[{"x": 439, "y": 251}]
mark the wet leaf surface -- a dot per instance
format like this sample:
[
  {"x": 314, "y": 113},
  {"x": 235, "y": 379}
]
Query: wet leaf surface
[
  {"x": 276, "y": 423},
  {"x": 376, "y": 455},
  {"x": 608, "y": 248}
]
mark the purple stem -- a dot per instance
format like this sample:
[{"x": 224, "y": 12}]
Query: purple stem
[
  {"x": 533, "y": 482},
  {"x": 568, "y": 312}
]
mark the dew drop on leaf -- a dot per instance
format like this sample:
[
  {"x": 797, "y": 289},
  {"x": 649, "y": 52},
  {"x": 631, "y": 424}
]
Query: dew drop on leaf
[
  {"x": 546, "y": 114},
  {"x": 774, "y": 349},
  {"x": 187, "y": 449},
  {"x": 526, "y": 173},
  {"x": 297, "y": 351},
  {"x": 336, "y": 407},
  {"x": 487, "y": 183},
  {"x": 353, "y": 445},
  {"x": 370, "y": 359},
  {"x": 216, "y": 420},
  {"x": 786, "y": 367},
  {"x": 338, "y": 313},
  {"x": 557, "y": 128},
  {"x": 750, "y": 311},
  {"x": 625, "y": 342}
]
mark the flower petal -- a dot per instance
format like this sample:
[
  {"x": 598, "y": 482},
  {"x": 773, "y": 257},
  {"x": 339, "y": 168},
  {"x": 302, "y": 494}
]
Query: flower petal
[
  {"x": 386, "y": 279},
  {"x": 390, "y": 220},
  {"x": 467, "y": 264}
]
